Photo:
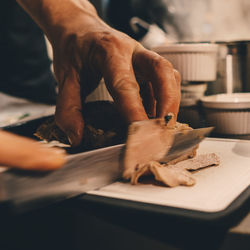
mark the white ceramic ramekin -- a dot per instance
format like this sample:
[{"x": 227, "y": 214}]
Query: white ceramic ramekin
[
  {"x": 193, "y": 92},
  {"x": 229, "y": 113},
  {"x": 194, "y": 61}
]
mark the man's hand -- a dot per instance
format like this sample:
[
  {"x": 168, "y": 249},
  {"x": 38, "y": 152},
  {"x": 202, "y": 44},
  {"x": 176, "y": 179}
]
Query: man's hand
[
  {"x": 86, "y": 49},
  {"x": 24, "y": 153}
]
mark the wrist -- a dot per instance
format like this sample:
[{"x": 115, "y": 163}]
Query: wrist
[{"x": 61, "y": 19}]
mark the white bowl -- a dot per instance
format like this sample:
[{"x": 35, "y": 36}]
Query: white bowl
[
  {"x": 229, "y": 113},
  {"x": 192, "y": 92},
  {"x": 195, "y": 61}
]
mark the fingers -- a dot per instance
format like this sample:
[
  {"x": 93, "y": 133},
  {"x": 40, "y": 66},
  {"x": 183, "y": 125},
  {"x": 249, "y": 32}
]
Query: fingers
[
  {"x": 165, "y": 80},
  {"x": 23, "y": 153},
  {"x": 123, "y": 87},
  {"x": 69, "y": 109}
]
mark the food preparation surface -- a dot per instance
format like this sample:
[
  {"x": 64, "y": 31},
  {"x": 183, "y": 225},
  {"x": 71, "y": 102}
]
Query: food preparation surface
[
  {"x": 15, "y": 111},
  {"x": 216, "y": 187}
]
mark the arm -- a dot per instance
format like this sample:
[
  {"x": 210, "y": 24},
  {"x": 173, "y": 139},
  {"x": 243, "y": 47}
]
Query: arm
[
  {"x": 86, "y": 49},
  {"x": 56, "y": 17}
]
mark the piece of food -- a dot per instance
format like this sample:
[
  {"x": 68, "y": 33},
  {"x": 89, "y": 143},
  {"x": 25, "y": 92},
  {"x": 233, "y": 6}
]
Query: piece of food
[
  {"x": 150, "y": 141},
  {"x": 104, "y": 127},
  {"x": 199, "y": 162},
  {"x": 175, "y": 174},
  {"x": 169, "y": 176}
]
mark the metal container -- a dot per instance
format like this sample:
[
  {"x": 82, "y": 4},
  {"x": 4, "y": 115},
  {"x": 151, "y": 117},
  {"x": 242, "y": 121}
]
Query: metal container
[{"x": 233, "y": 67}]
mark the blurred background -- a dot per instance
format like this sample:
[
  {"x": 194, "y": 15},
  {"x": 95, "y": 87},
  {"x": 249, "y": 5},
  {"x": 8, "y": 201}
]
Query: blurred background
[
  {"x": 184, "y": 20},
  {"x": 225, "y": 23},
  {"x": 26, "y": 71}
]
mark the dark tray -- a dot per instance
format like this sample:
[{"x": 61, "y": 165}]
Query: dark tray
[
  {"x": 27, "y": 128},
  {"x": 227, "y": 217}
]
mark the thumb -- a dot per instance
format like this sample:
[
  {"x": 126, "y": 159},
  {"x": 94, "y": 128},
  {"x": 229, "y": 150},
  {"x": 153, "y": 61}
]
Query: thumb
[{"x": 23, "y": 153}]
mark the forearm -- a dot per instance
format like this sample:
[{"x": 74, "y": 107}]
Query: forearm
[{"x": 57, "y": 18}]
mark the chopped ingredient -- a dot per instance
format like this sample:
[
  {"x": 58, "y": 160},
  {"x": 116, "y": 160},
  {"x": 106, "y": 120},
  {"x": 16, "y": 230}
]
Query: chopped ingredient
[
  {"x": 149, "y": 142},
  {"x": 175, "y": 174}
]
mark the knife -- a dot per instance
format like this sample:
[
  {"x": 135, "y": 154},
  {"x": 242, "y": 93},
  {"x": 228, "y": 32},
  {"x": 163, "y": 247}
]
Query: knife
[
  {"x": 186, "y": 142},
  {"x": 81, "y": 173}
]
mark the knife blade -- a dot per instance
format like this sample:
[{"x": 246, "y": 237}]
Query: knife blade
[
  {"x": 81, "y": 173},
  {"x": 185, "y": 141}
]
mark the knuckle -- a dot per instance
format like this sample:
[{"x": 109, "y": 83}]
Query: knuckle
[
  {"x": 174, "y": 95},
  {"x": 125, "y": 83},
  {"x": 123, "y": 86},
  {"x": 101, "y": 41},
  {"x": 107, "y": 46},
  {"x": 103, "y": 45},
  {"x": 161, "y": 63},
  {"x": 107, "y": 38},
  {"x": 177, "y": 74}
]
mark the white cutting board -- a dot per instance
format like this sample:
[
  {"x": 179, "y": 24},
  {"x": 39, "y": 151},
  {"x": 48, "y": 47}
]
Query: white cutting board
[{"x": 215, "y": 189}]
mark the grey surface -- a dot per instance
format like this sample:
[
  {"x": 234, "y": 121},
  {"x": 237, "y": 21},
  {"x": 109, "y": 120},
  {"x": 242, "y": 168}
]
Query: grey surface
[{"x": 17, "y": 110}]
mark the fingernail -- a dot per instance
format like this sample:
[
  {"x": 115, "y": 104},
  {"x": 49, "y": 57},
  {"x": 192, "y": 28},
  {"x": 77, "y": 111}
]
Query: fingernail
[
  {"x": 168, "y": 117},
  {"x": 74, "y": 137},
  {"x": 70, "y": 141},
  {"x": 70, "y": 136}
]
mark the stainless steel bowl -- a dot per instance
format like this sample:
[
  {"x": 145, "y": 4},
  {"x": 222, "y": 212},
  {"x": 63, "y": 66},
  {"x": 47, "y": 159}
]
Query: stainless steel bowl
[{"x": 233, "y": 67}]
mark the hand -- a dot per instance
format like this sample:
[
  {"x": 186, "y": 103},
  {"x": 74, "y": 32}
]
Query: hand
[
  {"x": 86, "y": 49},
  {"x": 24, "y": 153},
  {"x": 126, "y": 66}
]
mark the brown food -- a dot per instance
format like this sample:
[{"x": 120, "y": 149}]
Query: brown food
[
  {"x": 103, "y": 127},
  {"x": 169, "y": 176},
  {"x": 199, "y": 162},
  {"x": 175, "y": 174},
  {"x": 150, "y": 141}
]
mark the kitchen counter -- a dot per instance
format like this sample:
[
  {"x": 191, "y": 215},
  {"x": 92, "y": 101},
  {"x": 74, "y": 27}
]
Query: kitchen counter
[
  {"x": 77, "y": 224},
  {"x": 81, "y": 224}
]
